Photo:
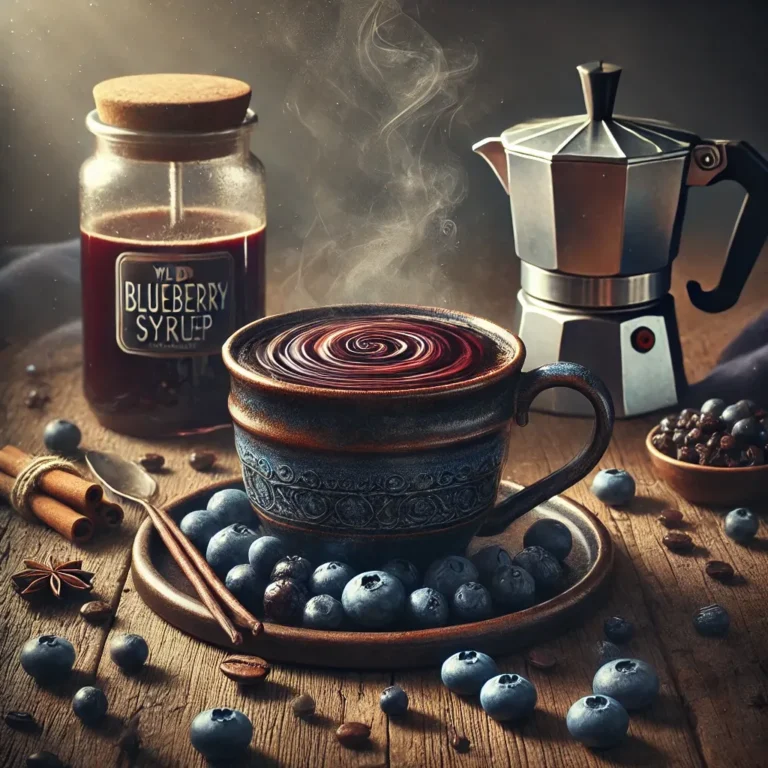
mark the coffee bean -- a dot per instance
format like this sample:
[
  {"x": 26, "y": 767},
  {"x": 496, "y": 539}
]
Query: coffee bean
[
  {"x": 694, "y": 436},
  {"x": 753, "y": 456},
  {"x": 703, "y": 453},
  {"x": 678, "y": 437},
  {"x": 96, "y": 611},
  {"x": 459, "y": 741},
  {"x": 353, "y": 735},
  {"x": 667, "y": 424},
  {"x": 713, "y": 441},
  {"x": 709, "y": 423},
  {"x": 671, "y": 518},
  {"x": 719, "y": 570},
  {"x": 541, "y": 659},
  {"x": 664, "y": 444},
  {"x": 20, "y": 721},
  {"x": 246, "y": 670},
  {"x": 44, "y": 760},
  {"x": 716, "y": 458},
  {"x": 303, "y": 706},
  {"x": 35, "y": 399},
  {"x": 202, "y": 461},
  {"x": 687, "y": 454},
  {"x": 152, "y": 462},
  {"x": 605, "y": 651},
  {"x": 678, "y": 542}
]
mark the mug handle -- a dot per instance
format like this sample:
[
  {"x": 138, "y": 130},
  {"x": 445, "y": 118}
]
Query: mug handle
[{"x": 560, "y": 374}]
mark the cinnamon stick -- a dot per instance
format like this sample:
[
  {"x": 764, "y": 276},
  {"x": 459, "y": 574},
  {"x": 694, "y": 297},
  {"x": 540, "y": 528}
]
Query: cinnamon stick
[
  {"x": 72, "y": 525},
  {"x": 240, "y": 613},
  {"x": 72, "y": 491},
  {"x": 189, "y": 570},
  {"x": 109, "y": 514}
]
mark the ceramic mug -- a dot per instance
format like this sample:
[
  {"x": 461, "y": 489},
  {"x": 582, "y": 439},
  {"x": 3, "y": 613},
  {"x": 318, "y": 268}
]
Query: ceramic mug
[{"x": 365, "y": 475}]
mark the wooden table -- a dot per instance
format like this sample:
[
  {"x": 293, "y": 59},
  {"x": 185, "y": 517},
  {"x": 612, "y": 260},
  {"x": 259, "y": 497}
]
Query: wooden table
[{"x": 713, "y": 708}]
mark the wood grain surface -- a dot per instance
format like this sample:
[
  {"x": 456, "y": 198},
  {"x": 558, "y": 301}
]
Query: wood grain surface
[{"x": 713, "y": 708}]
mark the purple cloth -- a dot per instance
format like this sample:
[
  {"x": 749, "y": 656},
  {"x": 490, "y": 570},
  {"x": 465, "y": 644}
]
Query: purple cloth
[
  {"x": 39, "y": 289},
  {"x": 741, "y": 371}
]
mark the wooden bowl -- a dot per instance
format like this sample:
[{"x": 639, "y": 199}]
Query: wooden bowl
[
  {"x": 166, "y": 591},
  {"x": 709, "y": 486}
]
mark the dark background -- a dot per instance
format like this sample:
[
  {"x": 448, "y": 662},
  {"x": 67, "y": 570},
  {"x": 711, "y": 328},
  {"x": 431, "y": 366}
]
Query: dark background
[{"x": 700, "y": 65}]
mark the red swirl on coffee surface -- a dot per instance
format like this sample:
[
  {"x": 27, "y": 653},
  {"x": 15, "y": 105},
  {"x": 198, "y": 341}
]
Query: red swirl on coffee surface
[{"x": 375, "y": 352}]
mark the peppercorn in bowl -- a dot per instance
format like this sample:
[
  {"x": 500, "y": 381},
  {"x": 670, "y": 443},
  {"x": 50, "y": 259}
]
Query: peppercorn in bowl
[{"x": 713, "y": 456}]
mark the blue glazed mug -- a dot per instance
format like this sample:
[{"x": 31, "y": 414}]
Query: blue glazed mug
[{"x": 404, "y": 468}]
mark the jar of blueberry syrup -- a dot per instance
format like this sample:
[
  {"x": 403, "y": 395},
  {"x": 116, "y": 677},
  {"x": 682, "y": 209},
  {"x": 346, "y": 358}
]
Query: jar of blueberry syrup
[{"x": 173, "y": 222}]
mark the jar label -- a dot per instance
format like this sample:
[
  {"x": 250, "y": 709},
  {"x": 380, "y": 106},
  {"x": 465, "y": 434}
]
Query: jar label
[{"x": 174, "y": 305}]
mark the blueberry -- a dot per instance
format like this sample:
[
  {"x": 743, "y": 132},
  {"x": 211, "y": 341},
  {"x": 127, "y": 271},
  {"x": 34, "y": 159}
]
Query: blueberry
[
  {"x": 508, "y": 697},
  {"x": 513, "y": 588},
  {"x": 129, "y": 652},
  {"x": 736, "y": 412},
  {"x": 220, "y": 733},
  {"x": 467, "y": 671},
  {"x": 90, "y": 704},
  {"x": 404, "y": 570},
  {"x": 747, "y": 431},
  {"x": 449, "y": 573},
  {"x": 488, "y": 560},
  {"x": 229, "y": 547},
  {"x": 247, "y": 586},
  {"x": 61, "y": 436},
  {"x": 264, "y": 553},
  {"x": 472, "y": 602},
  {"x": 393, "y": 701},
  {"x": 293, "y": 567},
  {"x": 618, "y": 630},
  {"x": 614, "y": 487},
  {"x": 284, "y": 601},
  {"x": 545, "y": 569},
  {"x": 231, "y": 506},
  {"x": 330, "y": 579},
  {"x": 426, "y": 608},
  {"x": 323, "y": 612},
  {"x": 373, "y": 599},
  {"x": 715, "y": 407},
  {"x": 47, "y": 658},
  {"x": 712, "y": 621},
  {"x": 199, "y": 527},
  {"x": 741, "y": 525},
  {"x": 597, "y": 721},
  {"x": 633, "y": 683},
  {"x": 44, "y": 759},
  {"x": 551, "y": 535},
  {"x": 606, "y": 651}
]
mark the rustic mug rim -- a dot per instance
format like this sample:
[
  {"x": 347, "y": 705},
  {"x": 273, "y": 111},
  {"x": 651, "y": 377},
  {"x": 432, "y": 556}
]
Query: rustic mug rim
[{"x": 512, "y": 348}]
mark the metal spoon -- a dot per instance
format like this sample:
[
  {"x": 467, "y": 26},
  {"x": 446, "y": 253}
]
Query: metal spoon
[{"x": 130, "y": 481}]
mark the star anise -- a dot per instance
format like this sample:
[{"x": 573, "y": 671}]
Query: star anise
[{"x": 53, "y": 576}]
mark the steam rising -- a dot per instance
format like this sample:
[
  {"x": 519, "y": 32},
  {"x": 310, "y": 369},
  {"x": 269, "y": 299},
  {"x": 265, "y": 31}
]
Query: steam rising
[{"x": 377, "y": 102}]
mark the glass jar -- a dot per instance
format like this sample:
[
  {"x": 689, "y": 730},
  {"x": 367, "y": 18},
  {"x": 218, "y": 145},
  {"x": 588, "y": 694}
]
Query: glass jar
[{"x": 173, "y": 226}]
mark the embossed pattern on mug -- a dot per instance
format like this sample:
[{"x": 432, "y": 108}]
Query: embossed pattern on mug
[
  {"x": 343, "y": 498},
  {"x": 376, "y": 352}
]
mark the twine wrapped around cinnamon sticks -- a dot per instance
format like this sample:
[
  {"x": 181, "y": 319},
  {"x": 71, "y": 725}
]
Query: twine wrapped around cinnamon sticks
[{"x": 51, "y": 490}]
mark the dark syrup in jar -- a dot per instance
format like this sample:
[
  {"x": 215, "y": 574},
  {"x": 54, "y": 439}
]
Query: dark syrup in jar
[
  {"x": 372, "y": 352},
  {"x": 159, "y": 299}
]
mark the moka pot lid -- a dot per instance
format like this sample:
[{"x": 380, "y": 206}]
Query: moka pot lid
[{"x": 598, "y": 135}]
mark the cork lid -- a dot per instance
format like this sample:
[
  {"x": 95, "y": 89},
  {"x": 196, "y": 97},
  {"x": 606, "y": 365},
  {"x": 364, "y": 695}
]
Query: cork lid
[{"x": 172, "y": 102}]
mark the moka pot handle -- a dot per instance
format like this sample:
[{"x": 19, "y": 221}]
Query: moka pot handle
[{"x": 716, "y": 161}]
